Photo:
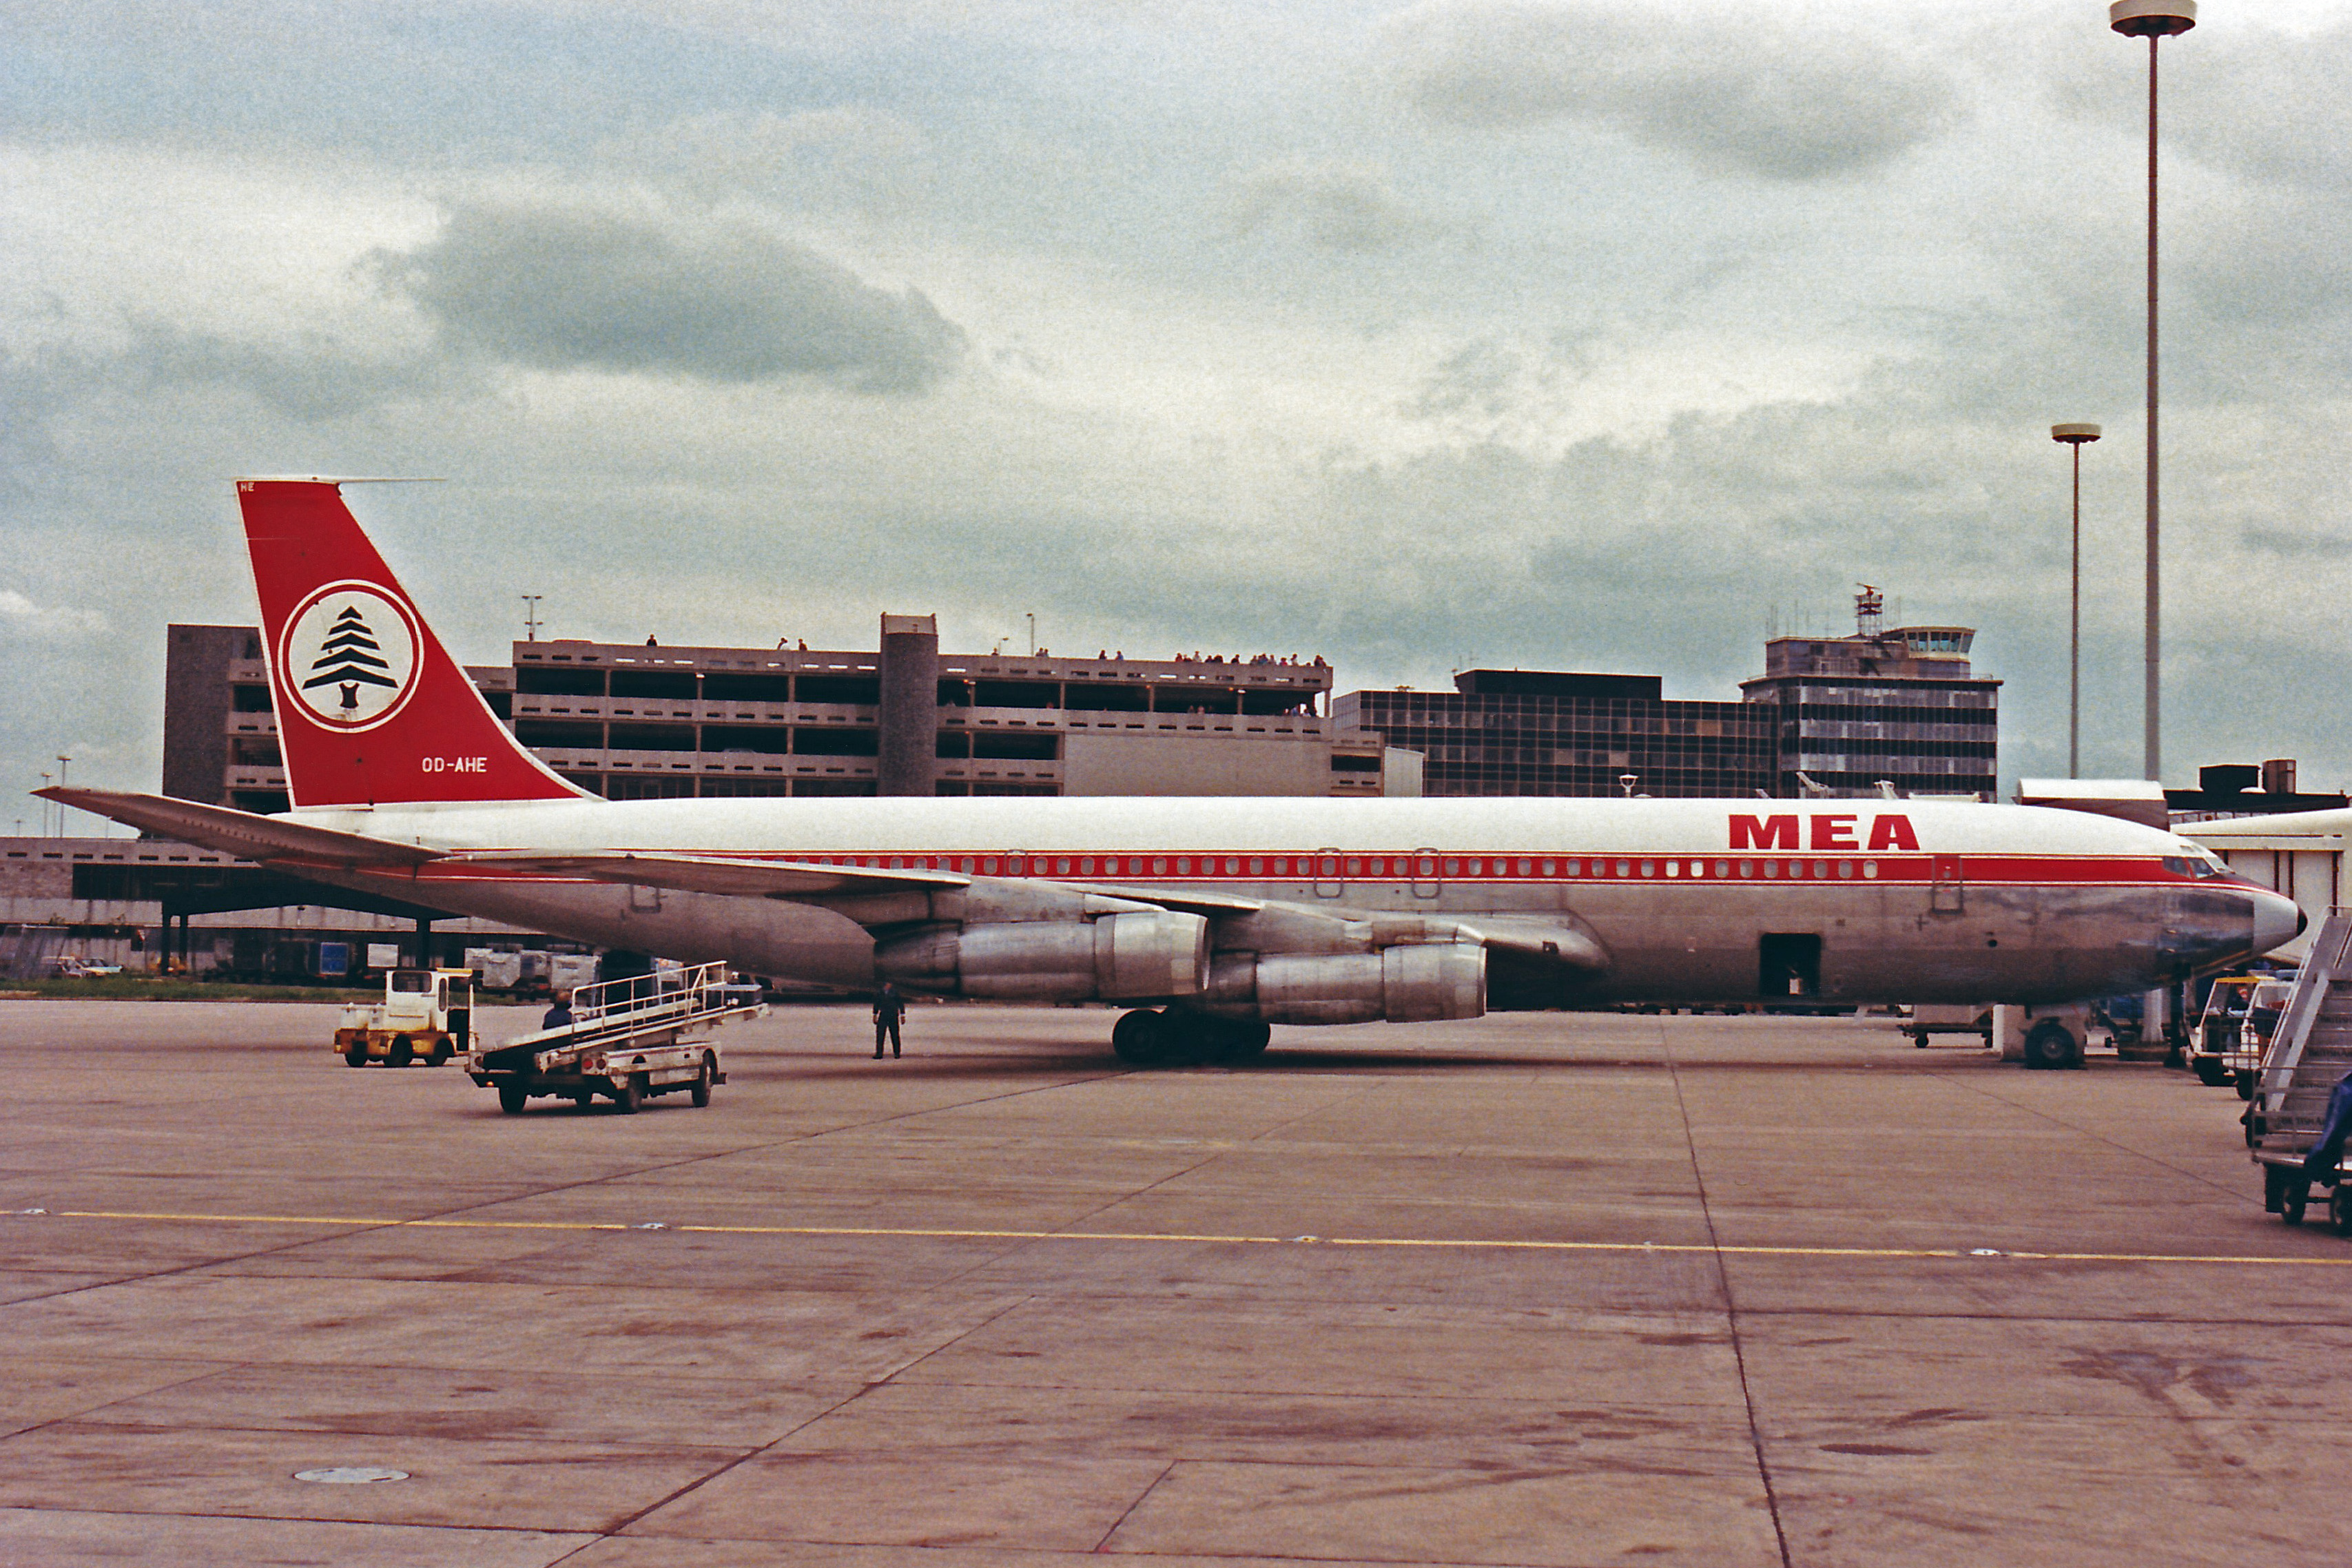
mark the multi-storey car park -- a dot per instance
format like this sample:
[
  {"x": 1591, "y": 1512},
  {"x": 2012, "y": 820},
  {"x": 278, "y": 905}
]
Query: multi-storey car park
[{"x": 633, "y": 722}]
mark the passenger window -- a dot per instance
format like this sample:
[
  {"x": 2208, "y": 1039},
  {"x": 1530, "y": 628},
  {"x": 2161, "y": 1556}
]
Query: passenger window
[
  {"x": 1232, "y": 866},
  {"x": 1160, "y": 868},
  {"x": 1258, "y": 868},
  {"x": 1086, "y": 866},
  {"x": 1551, "y": 869},
  {"x": 1674, "y": 867},
  {"x": 1454, "y": 868},
  {"x": 1845, "y": 869},
  {"x": 1624, "y": 868},
  {"x": 1062, "y": 868},
  {"x": 1820, "y": 868},
  {"x": 1748, "y": 868},
  {"x": 1870, "y": 869},
  {"x": 1649, "y": 867},
  {"x": 1330, "y": 865},
  {"x": 1723, "y": 868},
  {"x": 1355, "y": 868},
  {"x": 1771, "y": 867},
  {"x": 1183, "y": 866},
  {"x": 1576, "y": 867},
  {"x": 1428, "y": 868},
  {"x": 1527, "y": 868}
]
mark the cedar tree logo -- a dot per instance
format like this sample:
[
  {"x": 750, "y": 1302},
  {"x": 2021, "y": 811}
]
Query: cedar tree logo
[{"x": 350, "y": 656}]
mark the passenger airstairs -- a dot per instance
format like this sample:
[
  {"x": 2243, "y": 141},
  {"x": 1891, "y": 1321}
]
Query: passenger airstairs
[
  {"x": 2310, "y": 1052},
  {"x": 628, "y": 1039}
]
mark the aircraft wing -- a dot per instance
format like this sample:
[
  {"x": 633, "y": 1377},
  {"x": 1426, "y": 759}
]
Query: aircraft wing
[
  {"x": 1543, "y": 939},
  {"x": 706, "y": 873},
  {"x": 1210, "y": 905},
  {"x": 245, "y": 835}
]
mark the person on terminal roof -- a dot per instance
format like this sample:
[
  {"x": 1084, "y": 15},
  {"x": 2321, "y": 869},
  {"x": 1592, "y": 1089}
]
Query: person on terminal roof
[
  {"x": 888, "y": 1008},
  {"x": 2320, "y": 1163}
]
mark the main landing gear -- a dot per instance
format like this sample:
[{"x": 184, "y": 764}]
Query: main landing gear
[{"x": 1167, "y": 1038}]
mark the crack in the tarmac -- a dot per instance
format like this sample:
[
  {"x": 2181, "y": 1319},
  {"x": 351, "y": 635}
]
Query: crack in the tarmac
[
  {"x": 1731, "y": 1306},
  {"x": 2240, "y": 1194}
]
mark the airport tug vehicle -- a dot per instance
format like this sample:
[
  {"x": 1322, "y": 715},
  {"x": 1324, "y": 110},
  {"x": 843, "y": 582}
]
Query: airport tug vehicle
[
  {"x": 426, "y": 1015},
  {"x": 627, "y": 1040}
]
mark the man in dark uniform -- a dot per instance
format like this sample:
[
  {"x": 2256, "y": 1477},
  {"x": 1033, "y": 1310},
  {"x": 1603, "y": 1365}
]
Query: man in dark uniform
[
  {"x": 888, "y": 1008},
  {"x": 2319, "y": 1165}
]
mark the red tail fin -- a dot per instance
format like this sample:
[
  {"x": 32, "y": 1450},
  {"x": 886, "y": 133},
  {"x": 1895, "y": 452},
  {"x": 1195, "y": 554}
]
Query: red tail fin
[{"x": 370, "y": 708}]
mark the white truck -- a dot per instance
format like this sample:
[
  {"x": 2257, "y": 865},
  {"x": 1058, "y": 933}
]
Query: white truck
[{"x": 426, "y": 1015}]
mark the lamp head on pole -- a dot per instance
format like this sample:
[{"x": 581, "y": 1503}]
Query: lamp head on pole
[
  {"x": 2073, "y": 434},
  {"x": 2152, "y": 18}
]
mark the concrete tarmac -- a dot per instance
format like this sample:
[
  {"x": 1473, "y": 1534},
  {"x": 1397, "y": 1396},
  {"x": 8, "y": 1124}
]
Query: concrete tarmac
[{"x": 1547, "y": 1290}]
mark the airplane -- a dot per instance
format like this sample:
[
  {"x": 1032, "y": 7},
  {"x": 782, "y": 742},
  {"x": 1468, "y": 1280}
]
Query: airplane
[{"x": 1212, "y": 919}]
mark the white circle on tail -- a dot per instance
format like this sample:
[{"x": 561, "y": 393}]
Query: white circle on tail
[{"x": 350, "y": 656}]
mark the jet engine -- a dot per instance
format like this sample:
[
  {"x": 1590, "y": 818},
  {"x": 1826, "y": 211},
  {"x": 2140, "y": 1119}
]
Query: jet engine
[
  {"x": 1142, "y": 956},
  {"x": 1403, "y": 985}
]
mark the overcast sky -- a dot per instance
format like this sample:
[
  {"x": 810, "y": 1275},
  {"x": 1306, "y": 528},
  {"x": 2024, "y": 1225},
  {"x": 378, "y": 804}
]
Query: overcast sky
[{"x": 1554, "y": 333}]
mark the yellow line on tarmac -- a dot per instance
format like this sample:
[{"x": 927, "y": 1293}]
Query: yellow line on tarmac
[{"x": 921, "y": 1233}]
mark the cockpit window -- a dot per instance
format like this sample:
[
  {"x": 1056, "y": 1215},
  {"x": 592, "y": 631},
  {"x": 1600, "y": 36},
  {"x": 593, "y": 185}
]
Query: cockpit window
[{"x": 2201, "y": 864}]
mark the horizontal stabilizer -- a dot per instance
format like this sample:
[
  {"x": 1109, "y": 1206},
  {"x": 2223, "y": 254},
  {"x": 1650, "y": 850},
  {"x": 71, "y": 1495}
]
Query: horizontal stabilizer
[
  {"x": 242, "y": 834},
  {"x": 706, "y": 874}
]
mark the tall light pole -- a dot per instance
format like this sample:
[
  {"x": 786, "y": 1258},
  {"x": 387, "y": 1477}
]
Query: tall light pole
[
  {"x": 2075, "y": 435},
  {"x": 2154, "y": 20},
  {"x": 531, "y": 616}
]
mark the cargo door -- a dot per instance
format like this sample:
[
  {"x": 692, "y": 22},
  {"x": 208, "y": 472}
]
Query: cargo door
[{"x": 1791, "y": 964}]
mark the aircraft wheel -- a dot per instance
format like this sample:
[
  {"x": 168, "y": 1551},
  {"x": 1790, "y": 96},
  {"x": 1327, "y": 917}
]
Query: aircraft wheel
[
  {"x": 2050, "y": 1044},
  {"x": 1141, "y": 1038},
  {"x": 512, "y": 1098},
  {"x": 702, "y": 1083},
  {"x": 629, "y": 1093},
  {"x": 356, "y": 1057},
  {"x": 1233, "y": 1040},
  {"x": 402, "y": 1053}
]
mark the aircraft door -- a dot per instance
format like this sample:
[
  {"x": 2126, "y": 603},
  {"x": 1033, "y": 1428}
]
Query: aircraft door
[
  {"x": 1425, "y": 884},
  {"x": 1327, "y": 884},
  {"x": 1791, "y": 964},
  {"x": 1946, "y": 887}
]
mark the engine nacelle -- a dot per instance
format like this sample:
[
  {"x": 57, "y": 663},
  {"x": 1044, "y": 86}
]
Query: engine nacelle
[
  {"x": 1400, "y": 984},
  {"x": 1144, "y": 956}
]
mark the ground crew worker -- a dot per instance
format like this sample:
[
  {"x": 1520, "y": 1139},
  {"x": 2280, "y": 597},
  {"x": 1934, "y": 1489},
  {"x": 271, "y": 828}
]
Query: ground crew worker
[
  {"x": 2319, "y": 1165},
  {"x": 559, "y": 1015},
  {"x": 888, "y": 1008}
]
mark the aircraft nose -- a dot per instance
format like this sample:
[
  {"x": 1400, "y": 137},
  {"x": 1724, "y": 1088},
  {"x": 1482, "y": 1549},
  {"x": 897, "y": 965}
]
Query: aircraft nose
[{"x": 2277, "y": 922}]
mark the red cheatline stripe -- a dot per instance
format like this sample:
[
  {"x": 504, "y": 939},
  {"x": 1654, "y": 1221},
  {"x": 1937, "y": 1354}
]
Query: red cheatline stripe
[{"x": 1692, "y": 870}]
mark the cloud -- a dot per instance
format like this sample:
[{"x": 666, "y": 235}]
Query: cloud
[
  {"x": 1338, "y": 207},
  {"x": 21, "y": 615},
  {"x": 582, "y": 288},
  {"x": 1737, "y": 92}
]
